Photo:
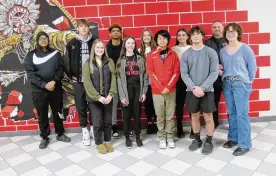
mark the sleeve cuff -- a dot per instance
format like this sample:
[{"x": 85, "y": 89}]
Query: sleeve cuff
[{"x": 43, "y": 84}]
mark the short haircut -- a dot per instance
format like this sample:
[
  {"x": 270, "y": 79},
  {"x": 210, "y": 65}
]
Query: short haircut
[
  {"x": 82, "y": 22},
  {"x": 163, "y": 33},
  {"x": 236, "y": 27},
  {"x": 196, "y": 29},
  {"x": 115, "y": 26},
  {"x": 217, "y": 21}
]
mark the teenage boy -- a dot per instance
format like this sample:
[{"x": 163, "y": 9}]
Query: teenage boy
[
  {"x": 163, "y": 68},
  {"x": 199, "y": 71},
  {"x": 44, "y": 66},
  {"x": 76, "y": 54},
  {"x": 114, "y": 47},
  {"x": 217, "y": 42}
]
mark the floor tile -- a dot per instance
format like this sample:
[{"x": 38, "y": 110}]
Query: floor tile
[
  {"x": 260, "y": 124},
  {"x": 59, "y": 145},
  {"x": 198, "y": 171},
  {"x": 231, "y": 169},
  {"x": 182, "y": 143},
  {"x": 161, "y": 172},
  {"x": 12, "y": 153},
  {"x": 157, "y": 159},
  {"x": 110, "y": 156},
  {"x": 273, "y": 150},
  {"x": 3, "y": 138},
  {"x": 5, "y": 142},
  {"x": 122, "y": 148},
  {"x": 222, "y": 155},
  {"x": 79, "y": 156},
  {"x": 8, "y": 172},
  {"x": 271, "y": 158},
  {"x": 266, "y": 138},
  {"x": 26, "y": 141},
  {"x": 256, "y": 129},
  {"x": 269, "y": 132},
  {"x": 68, "y": 150},
  {"x": 174, "y": 166},
  {"x": 4, "y": 165},
  {"x": 246, "y": 162},
  {"x": 124, "y": 161},
  {"x": 140, "y": 152},
  {"x": 38, "y": 170},
  {"x": 18, "y": 138},
  {"x": 271, "y": 126},
  {"x": 171, "y": 152},
  {"x": 102, "y": 170},
  {"x": 152, "y": 145},
  {"x": 123, "y": 173},
  {"x": 189, "y": 157},
  {"x": 257, "y": 154},
  {"x": 31, "y": 147},
  {"x": 19, "y": 159},
  {"x": 262, "y": 145},
  {"x": 38, "y": 152},
  {"x": 50, "y": 157},
  {"x": 220, "y": 135},
  {"x": 91, "y": 163},
  {"x": 80, "y": 145},
  {"x": 59, "y": 164},
  {"x": 259, "y": 174},
  {"x": 136, "y": 168},
  {"x": 8, "y": 147},
  {"x": 87, "y": 174},
  {"x": 267, "y": 168},
  {"x": 71, "y": 170},
  {"x": 26, "y": 166},
  {"x": 211, "y": 164}
]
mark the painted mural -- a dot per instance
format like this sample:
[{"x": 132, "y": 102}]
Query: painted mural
[{"x": 20, "y": 21}]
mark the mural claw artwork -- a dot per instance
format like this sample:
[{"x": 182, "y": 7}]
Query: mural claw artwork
[{"x": 20, "y": 22}]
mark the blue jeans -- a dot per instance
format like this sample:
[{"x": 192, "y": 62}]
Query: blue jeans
[{"x": 237, "y": 96}]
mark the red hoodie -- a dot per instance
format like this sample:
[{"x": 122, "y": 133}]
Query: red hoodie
[{"x": 163, "y": 74}]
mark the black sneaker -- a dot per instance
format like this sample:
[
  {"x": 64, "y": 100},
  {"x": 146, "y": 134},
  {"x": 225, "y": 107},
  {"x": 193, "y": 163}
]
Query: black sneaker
[
  {"x": 139, "y": 143},
  {"x": 131, "y": 133},
  {"x": 207, "y": 148},
  {"x": 44, "y": 143},
  {"x": 240, "y": 152},
  {"x": 128, "y": 143},
  {"x": 63, "y": 138},
  {"x": 195, "y": 145},
  {"x": 230, "y": 144},
  {"x": 115, "y": 132},
  {"x": 150, "y": 128}
]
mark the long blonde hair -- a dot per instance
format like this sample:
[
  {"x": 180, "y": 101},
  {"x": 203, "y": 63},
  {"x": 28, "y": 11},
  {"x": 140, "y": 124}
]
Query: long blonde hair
[
  {"x": 92, "y": 53},
  {"x": 143, "y": 46}
]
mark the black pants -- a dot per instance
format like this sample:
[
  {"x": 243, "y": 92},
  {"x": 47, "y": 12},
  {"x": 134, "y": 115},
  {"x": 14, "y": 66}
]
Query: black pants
[
  {"x": 41, "y": 101},
  {"x": 81, "y": 103},
  {"x": 149, "y": 108},
  {"x": 133, "y": 109},
  {"x": 217, "y": 93},
  {"x": 101, "y": 113},
  {"x": 180, "y": 101}
]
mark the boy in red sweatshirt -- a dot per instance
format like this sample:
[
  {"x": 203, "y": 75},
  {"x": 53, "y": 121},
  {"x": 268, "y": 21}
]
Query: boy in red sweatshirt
[{"x": 163, "y": 68}]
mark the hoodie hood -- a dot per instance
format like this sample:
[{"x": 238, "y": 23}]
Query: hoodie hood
[{"x": 78, "y": 37}]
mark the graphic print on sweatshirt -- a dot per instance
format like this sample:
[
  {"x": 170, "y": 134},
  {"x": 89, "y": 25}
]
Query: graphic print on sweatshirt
[{"x": 132, "y": 70}]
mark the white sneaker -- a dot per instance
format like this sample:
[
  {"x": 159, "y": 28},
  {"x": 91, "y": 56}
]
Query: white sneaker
[
  {"x": 171, "y": 143},
  {"x": 86, "y": 137},
  {"x": 91, "y": 132},
  {"x": 162, "y": 144}
]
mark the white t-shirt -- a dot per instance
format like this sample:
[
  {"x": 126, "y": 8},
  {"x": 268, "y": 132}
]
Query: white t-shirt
[
  {"x": 147, "y": 50},
  {"x": 180, "y": 50}
]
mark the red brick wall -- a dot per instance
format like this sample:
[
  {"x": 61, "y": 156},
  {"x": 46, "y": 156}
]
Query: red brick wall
[{"x": 135, "y": 15}]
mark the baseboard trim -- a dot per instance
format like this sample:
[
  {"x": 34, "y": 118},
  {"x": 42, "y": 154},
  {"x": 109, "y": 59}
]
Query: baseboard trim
[{"x": 78, "y": 130}]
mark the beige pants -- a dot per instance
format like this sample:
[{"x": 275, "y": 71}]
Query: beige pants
[{"x": 164, "y": 106}]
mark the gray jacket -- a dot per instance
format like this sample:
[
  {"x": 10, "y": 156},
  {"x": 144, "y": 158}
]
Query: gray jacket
[{"x": 122, "y": 81}]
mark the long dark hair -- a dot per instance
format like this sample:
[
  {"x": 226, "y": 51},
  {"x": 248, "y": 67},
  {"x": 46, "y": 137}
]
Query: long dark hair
[
  {"x": 143, "y": 46},
  {"x": 187, "y": 33},
  {"x": 123, "y": 52}
]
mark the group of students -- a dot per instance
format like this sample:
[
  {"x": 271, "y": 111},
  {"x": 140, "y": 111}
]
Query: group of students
[{"x": 193, "y": 71}]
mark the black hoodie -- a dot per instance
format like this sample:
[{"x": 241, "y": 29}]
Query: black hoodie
[{"x": 114, "y": 51}]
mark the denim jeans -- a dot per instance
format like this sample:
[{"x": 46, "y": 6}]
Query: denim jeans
[{"x": 237, "y": 98}]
